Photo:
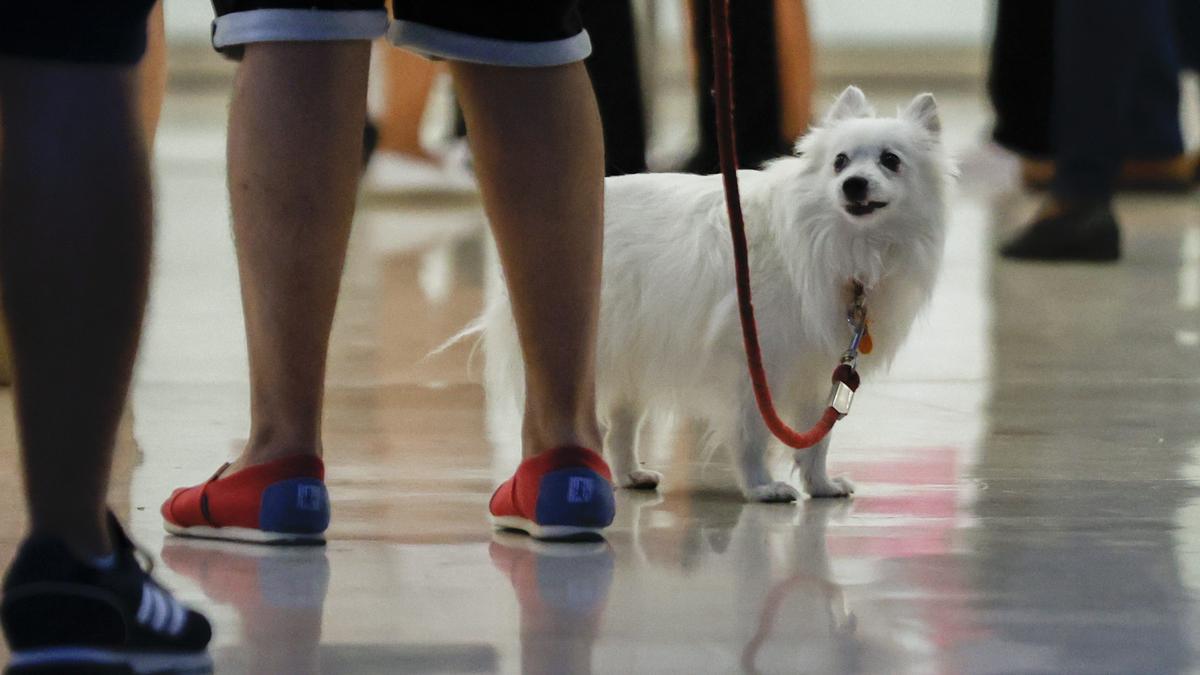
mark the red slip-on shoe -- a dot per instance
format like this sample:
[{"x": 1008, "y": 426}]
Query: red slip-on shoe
[
  {"x": 564, "y": 493},
  {"x": 280, "y": 502}
]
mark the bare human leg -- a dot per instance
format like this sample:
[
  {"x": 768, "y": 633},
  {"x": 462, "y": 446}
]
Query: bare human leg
[
  {"x": 74, "y": 274},
  {"x": 153, "y": 76},
  {"x": 152, "y": 73},
  {"x": 409, "y": 79},
  {"x": 295, "y": 141},
  {"x": 536, "y": 139},
  {"x": 794, "y": 54}
]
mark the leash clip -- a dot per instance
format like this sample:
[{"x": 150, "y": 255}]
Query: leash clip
[
  {"x": 845, "y": 383},
  {"x": 856, "y": 316},
  {"x": 845, "y": 377},
  {"x": 840, "y": 398}
]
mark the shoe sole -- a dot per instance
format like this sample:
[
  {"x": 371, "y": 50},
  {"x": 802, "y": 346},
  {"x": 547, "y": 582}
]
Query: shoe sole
[
  {"x": 66, "y": 660},
  {"x": 245, "y": 535},
  {"x": 514, "y": 539},
  {"x": 1095, "y": 259},
  {"x": 547, "y": 532}
]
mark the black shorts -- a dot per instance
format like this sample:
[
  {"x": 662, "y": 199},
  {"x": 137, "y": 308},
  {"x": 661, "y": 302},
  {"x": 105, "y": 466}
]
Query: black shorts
[
  {"x": 497, "y": 32},
  {"x": 81, "y": 31}
]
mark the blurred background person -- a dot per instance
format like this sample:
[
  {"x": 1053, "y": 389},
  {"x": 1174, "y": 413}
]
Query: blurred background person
[
  {"x": 1113, "y": 88},
  {"x": 772, "y": 79},
  {"x": 397, "y": 154},
  {"x": 152, "y": 79},
  {"x": 617, "y": 78},
  {"x": 1021, "y": 91}
]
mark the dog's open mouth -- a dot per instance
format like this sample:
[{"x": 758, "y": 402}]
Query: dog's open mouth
[{"x": 864, "y": 208}]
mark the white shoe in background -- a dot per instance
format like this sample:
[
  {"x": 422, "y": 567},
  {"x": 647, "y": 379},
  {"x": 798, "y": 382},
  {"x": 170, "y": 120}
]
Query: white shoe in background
[{"x": 447, "y": 170}]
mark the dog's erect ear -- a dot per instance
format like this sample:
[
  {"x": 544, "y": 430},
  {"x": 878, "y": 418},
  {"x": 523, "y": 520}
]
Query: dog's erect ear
[
  {"x": 851, "y": 103},
  {"x": 923, "y": 110}
]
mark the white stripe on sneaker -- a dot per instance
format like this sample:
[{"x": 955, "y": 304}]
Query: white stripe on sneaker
[
  {"x": 160, "y": 612},
  {"x": 147, "y": 606}
]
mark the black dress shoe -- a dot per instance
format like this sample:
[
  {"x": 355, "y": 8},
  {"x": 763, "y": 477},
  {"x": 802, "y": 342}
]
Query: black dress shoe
[{"x": 1078, "y": 234}]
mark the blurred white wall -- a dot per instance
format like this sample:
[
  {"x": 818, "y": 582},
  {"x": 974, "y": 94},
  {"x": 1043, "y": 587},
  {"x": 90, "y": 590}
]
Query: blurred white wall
[
  {"x": 188, "y": 21},
  {"x": 934, "y": 23}
]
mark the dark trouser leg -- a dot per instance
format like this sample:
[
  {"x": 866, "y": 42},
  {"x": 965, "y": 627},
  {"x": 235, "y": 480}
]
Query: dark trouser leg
[
  {"x": 755, "y": 81},
  {"x": 1020, "y": 79},
  {"x": 1108, "y": 53},
  {"x": 1115, "y": 70},
  {"x": 1186, "y": 19},
  {"x": 1152, "y": 127},
  {"x": 613, "y": 67}
]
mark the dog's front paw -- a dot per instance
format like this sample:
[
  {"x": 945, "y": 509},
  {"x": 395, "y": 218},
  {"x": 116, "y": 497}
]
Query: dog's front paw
[
  {"x": 640, "y": 479},
  {"x": 830, "y": 487},
  {"x": 773, "y": 493}
]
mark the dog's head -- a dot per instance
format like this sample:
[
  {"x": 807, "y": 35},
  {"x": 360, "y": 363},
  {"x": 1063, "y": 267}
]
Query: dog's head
[{"x": 876, "y": 167}]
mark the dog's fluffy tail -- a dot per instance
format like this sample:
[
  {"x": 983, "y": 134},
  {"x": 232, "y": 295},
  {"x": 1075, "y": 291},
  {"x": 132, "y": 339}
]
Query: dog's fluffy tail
[
  {"x": 504, "y": 370},
  {"x": 503, "y": 375},
  {"x": 476, "y": 327}
]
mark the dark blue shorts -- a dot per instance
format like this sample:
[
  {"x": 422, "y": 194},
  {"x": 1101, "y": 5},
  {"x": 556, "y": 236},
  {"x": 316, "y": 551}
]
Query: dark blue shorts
[
  {"x": 498, "y": 32},
  {"x": 80, "y": 31}
]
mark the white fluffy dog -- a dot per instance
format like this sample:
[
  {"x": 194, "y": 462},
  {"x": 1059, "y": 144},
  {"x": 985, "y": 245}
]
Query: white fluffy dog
[{"x": 863, "y": 200}]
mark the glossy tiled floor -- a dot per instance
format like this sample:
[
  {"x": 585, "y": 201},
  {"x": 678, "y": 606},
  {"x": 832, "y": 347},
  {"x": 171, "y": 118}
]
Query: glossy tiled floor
[{"x": 1029, "y": 473}]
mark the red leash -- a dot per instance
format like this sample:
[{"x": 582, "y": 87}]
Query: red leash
[{"x": 845, "y": 377}]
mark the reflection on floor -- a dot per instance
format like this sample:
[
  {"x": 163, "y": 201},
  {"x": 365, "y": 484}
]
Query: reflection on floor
[{"x": 1027, "y": 473}]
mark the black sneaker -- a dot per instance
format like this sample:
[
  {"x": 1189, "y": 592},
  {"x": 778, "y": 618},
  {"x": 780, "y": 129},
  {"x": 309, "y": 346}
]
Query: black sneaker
[
  {"x": 1080, "y": 234},
  {"x": 63, "y": 616}
]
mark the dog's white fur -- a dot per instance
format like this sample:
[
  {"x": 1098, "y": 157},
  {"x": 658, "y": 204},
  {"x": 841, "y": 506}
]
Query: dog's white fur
[{"x": 669, "y": 336}]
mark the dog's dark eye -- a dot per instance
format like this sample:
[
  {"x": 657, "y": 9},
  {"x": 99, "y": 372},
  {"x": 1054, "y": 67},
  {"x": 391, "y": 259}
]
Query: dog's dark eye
[
  {"x": 890, "y": 161},
  {"x": 840, "y": 162}
]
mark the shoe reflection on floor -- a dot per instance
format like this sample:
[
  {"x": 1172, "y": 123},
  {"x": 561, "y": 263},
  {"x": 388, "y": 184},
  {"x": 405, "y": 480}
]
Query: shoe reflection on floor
[
  {"x": 278, "y": 593},
  {"x": 279, "y": 596},
  {"x": 562, "y": 589}
]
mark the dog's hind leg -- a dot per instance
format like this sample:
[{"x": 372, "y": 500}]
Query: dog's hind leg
[
  {"x": 750, "y": 451},
  {"x": 621, "y": 444},
  {"x": 811, "y": 462}
]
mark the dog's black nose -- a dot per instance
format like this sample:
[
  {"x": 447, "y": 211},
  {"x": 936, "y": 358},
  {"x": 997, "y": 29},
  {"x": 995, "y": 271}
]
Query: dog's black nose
[{"x": 855, "y": 188}]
